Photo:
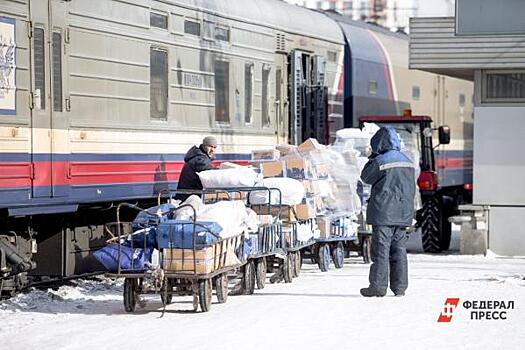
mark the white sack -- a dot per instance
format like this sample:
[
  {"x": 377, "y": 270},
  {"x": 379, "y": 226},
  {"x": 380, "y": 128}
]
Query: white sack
[
  {"x": 292, "y": 191},
  {"x": 237, "y": 177},
  {"x": 230, "y": 215},
  {"x": 186, "y": 213}
]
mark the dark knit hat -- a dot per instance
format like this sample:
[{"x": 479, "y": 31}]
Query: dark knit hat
[{"x": 209, "y": 141}]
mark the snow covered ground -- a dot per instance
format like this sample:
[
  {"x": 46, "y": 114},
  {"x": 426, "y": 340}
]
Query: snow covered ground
[{"x": 317, "y": 311}]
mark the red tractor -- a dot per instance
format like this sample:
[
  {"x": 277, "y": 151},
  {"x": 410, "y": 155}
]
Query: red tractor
[{"x": 445, "y": 179}]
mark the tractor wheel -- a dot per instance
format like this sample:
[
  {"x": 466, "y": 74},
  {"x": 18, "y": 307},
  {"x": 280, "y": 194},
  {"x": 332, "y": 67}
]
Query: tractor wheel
[{"x": 430, "y": 225}]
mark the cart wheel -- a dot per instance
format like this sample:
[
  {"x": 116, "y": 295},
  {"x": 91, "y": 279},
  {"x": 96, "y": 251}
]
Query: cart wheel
[
  {"x": 248, "y": 278},
  {"x": 366, "y": 249},
  {"x": 324, "y": 257},
  {"x": 205, "y": 291},
  {"x": 261, "y": 273},
  {"x": 221, "y": 287},
  {"x": 288, "y": 265},
  {"x": 166, "y": 294},
  {"x": 130, "y": 294},
  {"x": 338, "y": 255},
  {"x": 297, "y": 263}
]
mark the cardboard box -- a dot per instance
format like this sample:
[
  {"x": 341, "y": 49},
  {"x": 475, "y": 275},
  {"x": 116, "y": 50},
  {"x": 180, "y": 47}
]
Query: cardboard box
[
  {"x": 181, "y": 260},
  {"x": 310, "y": 145},
  {"x": 266, "y": 154},
  {"x": 273, "y": 169},
  {"x": 305, "y": 211},
  {"x": 321, "y": 170},
  {"x": 319, "y": 205},
  {"x": 324, "y": 223},
  {"x": 287, "y": 150},
  {"x": 224, "y": 196},
  {"x": 286, "y": 213},
  {"x": 299, "y": 169}
]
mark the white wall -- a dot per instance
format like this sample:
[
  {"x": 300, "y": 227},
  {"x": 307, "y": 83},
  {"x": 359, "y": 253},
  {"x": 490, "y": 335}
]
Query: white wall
[{"x": 499, "y": 156}]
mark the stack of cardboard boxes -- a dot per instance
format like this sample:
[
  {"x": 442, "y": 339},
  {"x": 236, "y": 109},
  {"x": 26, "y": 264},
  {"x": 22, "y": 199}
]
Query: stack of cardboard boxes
[{"x": 297, "y": 163}]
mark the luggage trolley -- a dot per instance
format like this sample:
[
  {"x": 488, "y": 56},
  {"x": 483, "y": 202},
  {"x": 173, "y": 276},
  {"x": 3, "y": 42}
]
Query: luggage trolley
[
  {"x": 263, "y": 243},
  {"x": 335, "y": 241},
  {"x": 193, "y": 258}
]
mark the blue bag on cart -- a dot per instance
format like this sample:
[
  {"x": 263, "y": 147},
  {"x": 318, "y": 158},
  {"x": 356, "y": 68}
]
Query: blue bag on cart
[
  {"x": 179, "y": 233},
  {"x": 152, "y": 216},
  {"x": 131, "y": 259}
]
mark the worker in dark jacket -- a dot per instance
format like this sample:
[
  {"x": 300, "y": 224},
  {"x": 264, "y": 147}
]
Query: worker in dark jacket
[
  {"x": 196, "y": 160},
  {"x": 390, "y": 210}
]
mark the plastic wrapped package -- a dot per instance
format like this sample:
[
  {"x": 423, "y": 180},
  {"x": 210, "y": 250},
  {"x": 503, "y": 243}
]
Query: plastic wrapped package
[
  {"x": 237, "y": 177},
  {"x": 292, "y": 191}
]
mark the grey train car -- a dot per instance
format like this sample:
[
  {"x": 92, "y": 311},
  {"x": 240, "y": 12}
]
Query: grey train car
[{"x": 101, "y": 99}]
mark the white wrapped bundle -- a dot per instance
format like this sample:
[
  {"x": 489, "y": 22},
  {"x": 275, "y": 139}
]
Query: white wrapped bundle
[
  {"x": 230, "y": 215},
  {"x": 292, "y": 191},
  {"x": 236, "y": 177}
]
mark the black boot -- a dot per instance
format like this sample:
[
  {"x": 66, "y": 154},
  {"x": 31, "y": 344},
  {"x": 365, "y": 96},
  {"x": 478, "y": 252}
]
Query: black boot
[{"x": 370, "y": 292}]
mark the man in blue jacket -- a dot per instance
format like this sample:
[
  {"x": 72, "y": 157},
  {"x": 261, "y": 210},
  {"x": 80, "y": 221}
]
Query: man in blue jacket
[{"x": 390, "y": 210}]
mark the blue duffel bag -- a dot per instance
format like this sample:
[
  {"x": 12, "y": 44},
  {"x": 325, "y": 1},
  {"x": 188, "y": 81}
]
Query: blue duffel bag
[
  {"x": 179, "y": 234},
  {"x": 130, "y": 259}
]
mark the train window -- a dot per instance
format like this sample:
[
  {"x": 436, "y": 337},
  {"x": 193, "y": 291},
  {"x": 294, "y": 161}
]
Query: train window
[
  {"x": 193, "y": 28},
  {"x": 57, "y": 72},
  {"x": 248, "y": 91},
  {"x": 462, "y": 100},
  {"x": 372, "y": 87},
  {"x": 416, "y": 93},
  {"x": 222, "y": 89},
  {"x": 504, "y": 86},
  {"x": 40, "y": 68},
  {"x": 265, "y": 110},
  {"x": 332, "y": 56},
  {"x": 158, "y": 20},
  {"x": 222, "y": 33},
  {"x": 158, "y": 84}
]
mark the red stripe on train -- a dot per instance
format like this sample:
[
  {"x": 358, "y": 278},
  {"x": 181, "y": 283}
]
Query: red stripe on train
[{"x": 24, "y": 174}]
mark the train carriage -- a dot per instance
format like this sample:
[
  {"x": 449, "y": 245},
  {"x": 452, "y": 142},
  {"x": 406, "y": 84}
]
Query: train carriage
[{"x": 101, "y": 99}]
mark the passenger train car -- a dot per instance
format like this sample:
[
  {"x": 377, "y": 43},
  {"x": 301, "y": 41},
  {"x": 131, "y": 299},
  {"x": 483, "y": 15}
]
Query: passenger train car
[{"x": 100, "y": 100}]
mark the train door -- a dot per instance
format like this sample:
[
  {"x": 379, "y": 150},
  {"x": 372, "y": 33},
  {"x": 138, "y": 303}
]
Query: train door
[
  {"x": 281, "y": 97},
  {"x": 45, "y": 92},
  {"x": 308, "y": 95},
  {"x": 298, "y": 78}
]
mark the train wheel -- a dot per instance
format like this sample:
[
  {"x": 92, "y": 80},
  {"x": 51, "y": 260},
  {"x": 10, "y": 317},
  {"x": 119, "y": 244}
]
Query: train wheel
[
  {"x": 261, "y": 273},
  {"x": 324, "y": 257},
  {"x": 221, "y": 287},
  {"x": 366, "y": 248},
  {"x": 130, "y": 294},
  {"x": 205, "y": 291},
  {"x": 338, "y": 255},
  {"x": 248, "y": 278}
]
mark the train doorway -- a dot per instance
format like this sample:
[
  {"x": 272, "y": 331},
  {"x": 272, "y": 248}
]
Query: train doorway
[
  {"x": 308, "y": 96},
  {"x": 48, "y": 123}
]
